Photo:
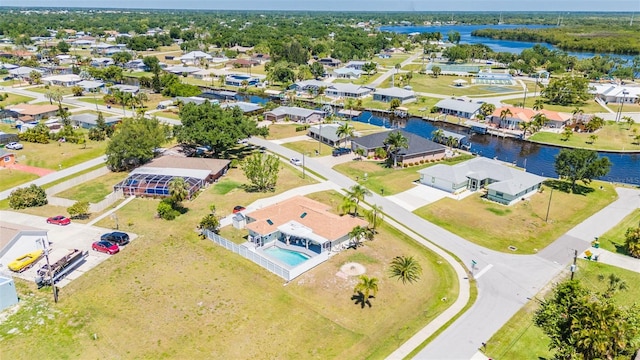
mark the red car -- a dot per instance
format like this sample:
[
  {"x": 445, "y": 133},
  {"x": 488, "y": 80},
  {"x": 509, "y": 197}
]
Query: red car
[
  {"x": 238, "y": 208},
  {"x": 105, "y": 247},
  {"x": 58, "y": 220}
]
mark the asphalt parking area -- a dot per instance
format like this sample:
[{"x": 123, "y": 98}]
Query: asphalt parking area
[{"x": 72, "y": 236}]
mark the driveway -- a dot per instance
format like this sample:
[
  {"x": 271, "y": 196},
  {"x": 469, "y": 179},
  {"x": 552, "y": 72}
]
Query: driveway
[
  {"x": 31, "y": 169},
  {"x": 417, "y": 197},
  {"x": 72, "y": 236}
]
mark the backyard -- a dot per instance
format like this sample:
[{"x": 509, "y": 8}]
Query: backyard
[
  {"x": 217, "y": 298},
  {"x": 519, "y": 338},
  {"x": 612, "y": 136},
  {"x": 379, "y": 176},
  {"x": 523, "y": 224}
]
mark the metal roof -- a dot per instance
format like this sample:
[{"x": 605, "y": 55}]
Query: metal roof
[{"x": 458, "y": 105}]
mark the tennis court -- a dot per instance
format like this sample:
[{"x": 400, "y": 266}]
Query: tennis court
[
  {"x": 496, "y": 89},
  {"x": 493, "y": 82},
  {"x": 455, "y": 68}
]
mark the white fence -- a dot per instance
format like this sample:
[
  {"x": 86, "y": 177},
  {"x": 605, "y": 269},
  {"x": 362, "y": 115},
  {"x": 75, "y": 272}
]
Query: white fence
[
  {"x": 77, "y": 181},
  {"x": 106, "y": 202},
  {"x": 265, "y": 262}
]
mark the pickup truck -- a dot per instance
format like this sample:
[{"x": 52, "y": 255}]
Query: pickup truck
[{"x": 341, "y": 151}]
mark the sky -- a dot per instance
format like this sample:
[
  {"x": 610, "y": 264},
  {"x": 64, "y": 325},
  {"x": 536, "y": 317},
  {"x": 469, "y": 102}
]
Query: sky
[{"x": 349, "y": 5}]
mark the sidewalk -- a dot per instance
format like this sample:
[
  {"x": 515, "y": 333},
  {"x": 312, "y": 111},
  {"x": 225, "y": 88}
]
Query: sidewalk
[{"x": 617, "y": 260}]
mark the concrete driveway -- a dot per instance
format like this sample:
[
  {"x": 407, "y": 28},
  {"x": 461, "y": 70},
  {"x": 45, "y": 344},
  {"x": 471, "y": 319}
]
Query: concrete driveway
[
  {"x": 417, "y": 197},
  {"x": 72, "y": 236}
]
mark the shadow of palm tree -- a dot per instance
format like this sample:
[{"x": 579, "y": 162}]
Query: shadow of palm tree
[{"x": 360, "y": 300}]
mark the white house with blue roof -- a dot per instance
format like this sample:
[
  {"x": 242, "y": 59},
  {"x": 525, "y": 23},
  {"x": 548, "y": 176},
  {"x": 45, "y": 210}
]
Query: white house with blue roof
[{"x": 504, "y": 184}]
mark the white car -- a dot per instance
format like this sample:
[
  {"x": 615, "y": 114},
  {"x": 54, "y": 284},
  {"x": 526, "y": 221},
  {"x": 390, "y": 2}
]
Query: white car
[
  {"x": 14, "y": 146},
  {"x": 296, "y": 161}
]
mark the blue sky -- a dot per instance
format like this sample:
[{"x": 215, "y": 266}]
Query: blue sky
[{"x": 352, "y": 5}]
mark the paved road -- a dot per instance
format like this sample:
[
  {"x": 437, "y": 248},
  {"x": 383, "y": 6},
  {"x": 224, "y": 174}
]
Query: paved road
[
  {"x": 505, "y": 281},
  {"x": 377, "y": 82}
]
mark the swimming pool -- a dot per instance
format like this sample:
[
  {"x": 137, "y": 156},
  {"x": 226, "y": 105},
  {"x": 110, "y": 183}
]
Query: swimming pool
[{"x": 289, "y": 257}]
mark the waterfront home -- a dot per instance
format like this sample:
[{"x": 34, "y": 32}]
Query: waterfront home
[
  {"x": 419, "y": 148},
  {"x": 300, "y": 222},
  {"x": 295, "y": 114},
  {"x": 347, "y": 91},
  {"x": 241, "y": 80},
  {"x": 312, "y": 86},
  {"x": 458, "y": 107},
  {"x": 555, "y": 119},
  {"x": 510, "y": 117},
  {"x": 326, "y": 133},
  {"x": 388, "y": 94},
  {"x": 504, "y": 184},
  {"x": 245, "y": 107}
]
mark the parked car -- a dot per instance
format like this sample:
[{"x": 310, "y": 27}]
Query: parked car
[
  {"x": 105, "y": 247},
  {"x": 14, "y": 146},
  {"x": 117, "y": 237},
  {"x": 25, "y": 261},
  {"x": 296, "y": 161},
  {"x": 340, "y": 151},
  {"x": 59, "y": 220},
  {"x": 238, "y": 208}
]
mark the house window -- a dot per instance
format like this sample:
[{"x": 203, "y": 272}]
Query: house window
[
  {"x": 499, "y": 194},
  {"x": 433, "y": 180}
]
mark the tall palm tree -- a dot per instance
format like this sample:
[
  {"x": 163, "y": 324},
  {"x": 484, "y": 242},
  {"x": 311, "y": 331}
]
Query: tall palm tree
[
  {"x": 538, "y": 104},
  {"x": 178, "y": 189},
  {"x": 395, "y": 141},
  {"x": 526, "y": 127},
  {"x": 374, "y": 216},
  {"x": 357, "y": 193},
  {"x": 437, "y": 135},
  {"x": 356, "y": 234},
  {"x": 504, "y": 114},
  {"x": 405, "y": 268},
  {"x": 539, "y": 121},
  {"x": 347, "y": 204},
  {"x": 367, "y": 286},
  {"x": 344, "y": 131},
  {"x": 615, "y": 284}
]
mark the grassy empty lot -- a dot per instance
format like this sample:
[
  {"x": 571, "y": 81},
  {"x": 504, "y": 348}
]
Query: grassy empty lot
[
  {"x": 614, "y": 240},
  {"x": 521, "y": 225},
  {"x": 10, "y": 178},
  {"x": 15, "y": 99},
  {"x": 64, "y": 90},
  {"x": 443, "y": 84},
  {"x": 612, "y": 136},
  {"x": 521, "y": 339},
  {"x": 392, "y": 61},
  {"x": 54, "y": 154},
  {"x": 203, "y": 301},
  {"x": 589, "y": 107},
  {"x": 419, "y": 108},
  {"x": 380, "y": 177},
  {"x": 309, "y": 147},
  {"x": 362, "y": 80},
  {"x": 283, "y": 131},
  {"x": 95, "y": 190}
]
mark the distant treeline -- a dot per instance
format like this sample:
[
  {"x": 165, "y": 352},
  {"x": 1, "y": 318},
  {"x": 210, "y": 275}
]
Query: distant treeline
[{"x": 602, "y": 38}]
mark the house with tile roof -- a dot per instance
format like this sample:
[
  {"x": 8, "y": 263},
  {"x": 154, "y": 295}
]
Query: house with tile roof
[
  {"x": 504, "y": 184},
  {"x": 300, "y": 222},
  {"x": 514, "y": 116},
  {"x": 419, "y": 148},
  {"x": 30, "y": 112}
]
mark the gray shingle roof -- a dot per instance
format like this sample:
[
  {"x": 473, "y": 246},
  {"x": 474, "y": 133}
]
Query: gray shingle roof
[
  {"x": 295, "y": 111},
  {"x": 395, "y": 92},
  {"x": 464, "y": 106},
  {"x": 417, "y": 144}
]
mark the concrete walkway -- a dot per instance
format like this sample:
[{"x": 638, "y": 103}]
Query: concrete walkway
[{"x": 617, "y": 260}]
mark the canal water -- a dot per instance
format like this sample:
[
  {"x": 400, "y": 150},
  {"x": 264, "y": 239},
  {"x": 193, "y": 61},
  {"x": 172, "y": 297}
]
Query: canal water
[{"x": 537, "y": 159}]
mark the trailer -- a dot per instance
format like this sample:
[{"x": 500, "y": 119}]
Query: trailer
[{"x": 62, "y": 262}]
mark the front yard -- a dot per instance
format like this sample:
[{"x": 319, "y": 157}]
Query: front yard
[{"x": 521, "y": 225}]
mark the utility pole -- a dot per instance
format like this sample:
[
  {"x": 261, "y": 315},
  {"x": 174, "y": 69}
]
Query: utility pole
[
  {"x": 303, "y": 174},
  {"x": 573, "y": 266},
  {"x": 46, "y": 256},
  {"x": 548, "y": 206}
]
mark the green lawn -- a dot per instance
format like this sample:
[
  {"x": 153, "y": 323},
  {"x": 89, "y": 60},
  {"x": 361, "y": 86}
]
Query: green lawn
[
  {"x": 15, "y": 99},
  {"x": 413, "y": 67},
  {"x": 421, "y": 107},
  {"x": 522, "y": 225},
  {"x": 10, "y": 178},
  {"x": 309, "y": 147},
  {"x": 362, "y": 80},
  {"x": 381, "y": 178},
  {"x": 392, "y": 61},
  {"x": 614, "y": 239},
  {"x": 443, "y": 84},
  {"x": 55, "y": 154},
  {"x": 589, "y": 107},
  {"x": 64, "y": 90},
  {"x": 209, "y": 298},
  {"x": 283, "y": 131},
  {"x": 95, "y": 190},
  {"x": 612, "y": 136},
  {"x": 519, "y": 338}
]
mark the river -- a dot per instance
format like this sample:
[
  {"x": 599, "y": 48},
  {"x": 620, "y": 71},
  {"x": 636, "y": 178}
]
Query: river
[
  {"x": 537, "y": 159},
  {"x": 496, "y": 45}
]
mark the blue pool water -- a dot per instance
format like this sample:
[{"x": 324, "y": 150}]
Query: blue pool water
[{"x": 292, "y": 258}]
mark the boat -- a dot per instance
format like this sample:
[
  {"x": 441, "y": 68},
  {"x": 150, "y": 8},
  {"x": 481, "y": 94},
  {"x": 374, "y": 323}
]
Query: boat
[
  {"x": 62, "y": 262},
  {"x": 25, "y": 261}
]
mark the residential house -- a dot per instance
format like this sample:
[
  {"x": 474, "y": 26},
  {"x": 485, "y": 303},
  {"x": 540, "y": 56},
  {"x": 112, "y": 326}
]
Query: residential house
[
  {"x": 504, "y": 184},
  {"x": 555, "y": 119},
  {"x": 347, "y": 73},
  {"x": 23, "y": 72},
  {"x": 388, "y": 94},
  {"x": 459, "y": 107},
  {"x": 89, "y": 120},
  {"x": 101, "y": 62},
  {"x": 302, "y": 223},
  {"x": 510, "y": 117},
  {"x": 241, "y": 49},
  {"x": 330, "y": 62},
  {"x": 194, "y": 100},
  {"x": 295, "y": 114},
  {"x": 67, "y": 80},
  {"x": 309, "y": 86},
  {"x": 326, "y": 133},
  {"x": 91, "y": 85},
  {"x": 180, "y": 70},
  {"x": 65, "y": 59},
  {"x": 243, "y": 63},
  {"x": 419, "y": 147},
  {"x": 239, "y": 80},
  {"x": 261, "y": 58},
  {"x": 616, "y": 94},
  {"x": 6, "y": 158},
  {"x": 132, "y": 89},
  {"x": 356, "y": 64},
  {"x": 348, "y": 91},
  {"x": 246, "y": 107},
  {"x": 136, "y": 65},
  {"x": 30, "y": 112},
  {"x": 195, "y": 58}
]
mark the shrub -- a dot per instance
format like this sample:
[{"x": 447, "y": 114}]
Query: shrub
[
  {"x": 166, "y": 210},
  {"x": 27, "y": 197},
  {"x": 209, "y": 222},
  {"x": 421, "y": 161},
  {"x": 302, "y": 128},
  {"x": 79, "y": 210}
]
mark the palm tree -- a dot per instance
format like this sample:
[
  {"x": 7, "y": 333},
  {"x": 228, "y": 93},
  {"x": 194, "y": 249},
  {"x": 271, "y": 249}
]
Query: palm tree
[
  {"x": 504, "y": 114},
  {"x": 344, "y": 131},
  {"x": 360, "y": 152},
  {"x": 437, "y": 135},
  {"x": 629, "y": 121},
  {"x": 538, "y": 105},
  {"x": 452, "y": 141},
  {"x": 539, "y": 120},
  {"x": 374, "y": 216},
  {"x": 357, "y": 193},
  {"x": 526, "y": 127},
  {"x": 178, "y": 189},
  {"x": 366, "y": 286},
  {"x": 395, "y": 141},
  {"x": 577, "y": 111},
  {"x": 593, "y": 138},
  {"x": 347, "y": 204},
  {"x": 356, "y": 234},
  {"x": 405, "y": 268},
  {"x": 139, "y": 99}
]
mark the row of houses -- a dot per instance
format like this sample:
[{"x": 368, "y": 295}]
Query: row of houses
[{"x": 352, "y": 91}]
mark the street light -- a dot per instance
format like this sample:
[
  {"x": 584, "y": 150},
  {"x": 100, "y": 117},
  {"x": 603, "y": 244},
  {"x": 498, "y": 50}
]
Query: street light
[{"x": 624, "y": 98}]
